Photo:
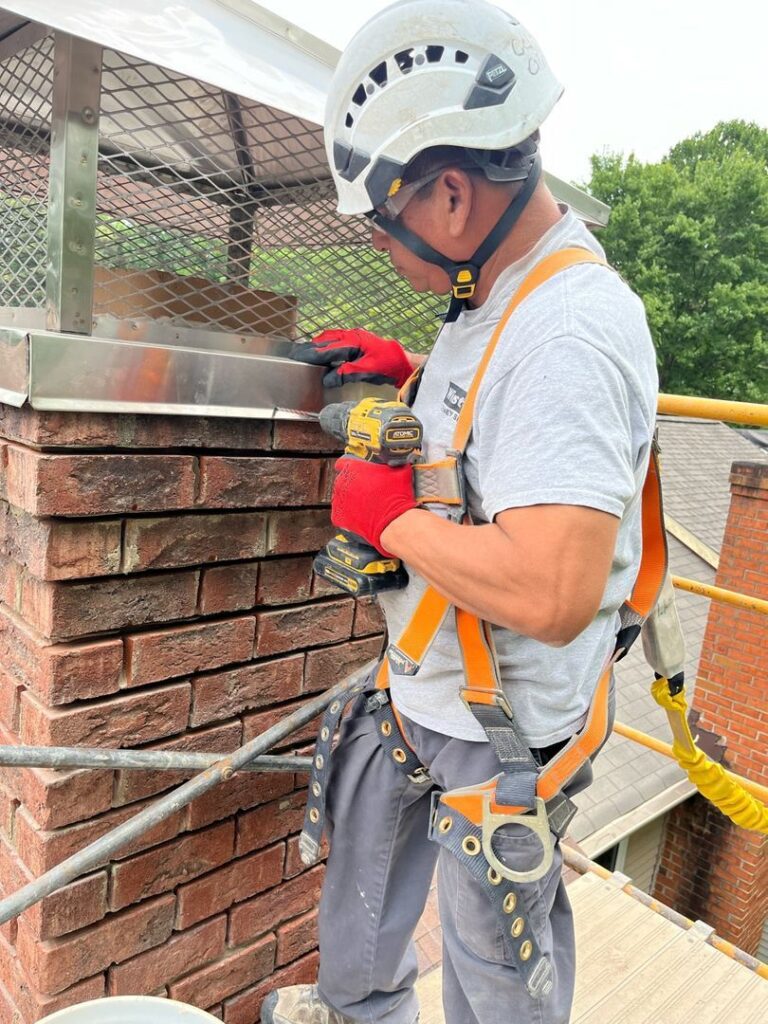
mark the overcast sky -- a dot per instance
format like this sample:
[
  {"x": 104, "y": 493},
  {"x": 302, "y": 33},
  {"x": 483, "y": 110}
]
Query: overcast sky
[{"x": 638, "y": 76}]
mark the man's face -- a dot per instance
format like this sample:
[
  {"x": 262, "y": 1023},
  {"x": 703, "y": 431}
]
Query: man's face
[{"x": 422, "y": 216}]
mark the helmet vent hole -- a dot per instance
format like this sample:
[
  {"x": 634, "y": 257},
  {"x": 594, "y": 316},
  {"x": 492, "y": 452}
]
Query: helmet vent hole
[
  {"x": 404, "y": 60},
  {"x": 349, "y": 121},
  {"x": 461, "y": 57},
  {"x": 360, "y": 95},
  {"x": 379, "y": 73},
  {"x": 434, "y": 53}
]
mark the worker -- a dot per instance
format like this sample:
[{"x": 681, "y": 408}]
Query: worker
[{"x": 432, "y": 132}]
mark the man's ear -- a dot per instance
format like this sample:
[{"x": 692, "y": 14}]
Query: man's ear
[{"x": 457, "y": 196}]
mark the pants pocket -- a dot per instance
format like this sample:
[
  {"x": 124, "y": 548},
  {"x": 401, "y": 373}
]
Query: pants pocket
[{"x": 478, "y": 925}]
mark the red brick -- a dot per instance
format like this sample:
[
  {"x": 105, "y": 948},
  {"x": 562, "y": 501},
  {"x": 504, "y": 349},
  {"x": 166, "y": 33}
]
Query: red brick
[
  {"x": 296, "y": 938},
  {"x": 246, "y": 789},
  {"x": 55, "y": 964},
  {"x": 229, "y": 588},
  {"x": 121, "y": 430},
  {"x": 8, "y": 805},
  {"x": 9, "y": 1011},
  {"x": 182, "y": 650},
  {"x": 327, "y": 480},
  {"x": 58, "y": 549},
  {"x": 10, "y": 696},
  {"x": 115, "y": 721},
  {"x": 252, "y": 482},
  {"x": 234, "y": 883},
  {"x": 295, "y": 436},
  {"x": 86, "y": 485},
  {"x": 58, "y": 798},
  {"x": 267, "y": 824},
  {"x": 369, "y": 618},
  {"x": 75, "y": 906},
  {"x": 164, "y": 867},
  {"x": 285, "y": 581},
  {"x": 59, "y": 673},
  {"x": 265, "y": 912},
  {"x": 131, "y": 785},
  {"x": 191, "y": 540},
  {"x": 226, "y": 976},
  {"x": 295, "y": 532},
  {"x": 34, "y": 1004},
  {"x": 245, "y": 1006},
  {"x": 66, "y": 611},
  {"x": 42, "y": 849},
  {"x": 224, "y": 694},
  {"x": 254, "y": 725},
  {"x": 306, "y": 625},
  {"x": 327, "y": 666},
  {"x": 183, "y": 953}
]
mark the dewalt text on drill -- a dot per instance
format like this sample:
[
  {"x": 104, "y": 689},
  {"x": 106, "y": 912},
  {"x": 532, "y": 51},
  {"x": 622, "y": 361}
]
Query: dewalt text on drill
[{"x": 374, "y": 430}]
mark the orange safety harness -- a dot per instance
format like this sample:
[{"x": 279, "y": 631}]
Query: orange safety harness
[{"x": 523, "y": 793}]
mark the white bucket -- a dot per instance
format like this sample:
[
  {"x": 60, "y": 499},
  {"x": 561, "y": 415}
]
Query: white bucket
[{"x": 131, "y": 1010}]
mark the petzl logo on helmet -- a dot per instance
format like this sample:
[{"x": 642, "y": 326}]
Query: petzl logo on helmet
[{"x": 454, "y": 399}]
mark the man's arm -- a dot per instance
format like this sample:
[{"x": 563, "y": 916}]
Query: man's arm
[{"x": 539, "y": 570}]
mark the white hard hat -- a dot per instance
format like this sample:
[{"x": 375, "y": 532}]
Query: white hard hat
[{"x": 426, "y": 73}]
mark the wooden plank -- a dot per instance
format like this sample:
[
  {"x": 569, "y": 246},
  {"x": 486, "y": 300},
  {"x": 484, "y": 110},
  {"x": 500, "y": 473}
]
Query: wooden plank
[{"x": 430, "y": 990}]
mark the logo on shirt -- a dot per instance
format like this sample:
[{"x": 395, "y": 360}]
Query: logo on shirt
[{"x": 454, "y": 400}]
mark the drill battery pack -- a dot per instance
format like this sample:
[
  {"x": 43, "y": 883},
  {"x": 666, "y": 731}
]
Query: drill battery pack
[{"x": 354, "y": 566}]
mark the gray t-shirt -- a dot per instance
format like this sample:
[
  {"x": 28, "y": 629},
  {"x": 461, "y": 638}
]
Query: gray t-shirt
[{"x": 564, "y": 415}]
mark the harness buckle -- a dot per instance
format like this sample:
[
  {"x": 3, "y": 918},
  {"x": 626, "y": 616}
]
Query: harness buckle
[
  {"x": 496, "y": 697},
  {"x": 421, "y": 776},
  {"x": 536, "y": 821},
  {"x": 378, "y": 699}
]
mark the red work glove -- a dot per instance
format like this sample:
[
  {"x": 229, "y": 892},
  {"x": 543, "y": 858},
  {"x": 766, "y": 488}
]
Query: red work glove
[
  {"x": 355, "y": 355},
  {"x": 367, "y": 497}
]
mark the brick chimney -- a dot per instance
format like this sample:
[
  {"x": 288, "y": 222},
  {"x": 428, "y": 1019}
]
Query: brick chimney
[
  {"x": 156, "y": 591},
  {"x": 710, "y": 869}
]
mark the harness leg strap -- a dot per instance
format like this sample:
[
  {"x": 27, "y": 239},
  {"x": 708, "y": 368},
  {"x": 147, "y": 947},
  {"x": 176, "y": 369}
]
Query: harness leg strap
[
  {"x": 391, "y": 737},
  {"x": 463, "y": 839},
  {"x": 314, "y": 817}
]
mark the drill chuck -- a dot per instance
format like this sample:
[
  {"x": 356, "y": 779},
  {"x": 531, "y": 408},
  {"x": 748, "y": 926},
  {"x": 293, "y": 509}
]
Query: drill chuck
[{"x": 334, "y": 419}]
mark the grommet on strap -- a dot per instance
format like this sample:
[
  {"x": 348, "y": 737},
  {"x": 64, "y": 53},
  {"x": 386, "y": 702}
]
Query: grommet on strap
[
  {"x": 314, "y": 817},
  {"x": 392, "y": 740}
]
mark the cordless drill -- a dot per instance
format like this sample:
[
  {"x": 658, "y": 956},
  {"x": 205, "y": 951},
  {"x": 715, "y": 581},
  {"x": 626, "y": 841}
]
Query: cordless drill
[{"x": 380, "y": 431}]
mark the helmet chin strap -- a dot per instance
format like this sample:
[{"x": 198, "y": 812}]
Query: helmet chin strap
[{"x": 463, "y": 276}]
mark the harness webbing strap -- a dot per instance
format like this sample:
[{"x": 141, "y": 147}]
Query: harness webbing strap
[
  {"x": 653, "y": 565},
  {"x": 541, "y": 273},
  {"x": 406, "y": 655}
]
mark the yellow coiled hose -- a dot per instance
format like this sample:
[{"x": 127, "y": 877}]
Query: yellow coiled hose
[{"x": 711, "y": 779}]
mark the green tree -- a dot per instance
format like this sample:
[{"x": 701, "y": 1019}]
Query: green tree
[{"x": 690, "y": 234}]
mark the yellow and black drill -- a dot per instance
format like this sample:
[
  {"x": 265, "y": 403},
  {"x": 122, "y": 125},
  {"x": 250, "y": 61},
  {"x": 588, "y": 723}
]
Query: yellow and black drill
[{"x": 375, "y": 430}]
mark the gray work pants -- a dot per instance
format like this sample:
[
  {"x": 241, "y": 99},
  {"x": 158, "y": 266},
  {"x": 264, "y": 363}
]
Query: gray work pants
[{"x": 378, "y": 877}]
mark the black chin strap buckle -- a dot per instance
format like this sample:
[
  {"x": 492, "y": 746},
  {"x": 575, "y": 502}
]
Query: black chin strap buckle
[{"x": 464, "y": 280}]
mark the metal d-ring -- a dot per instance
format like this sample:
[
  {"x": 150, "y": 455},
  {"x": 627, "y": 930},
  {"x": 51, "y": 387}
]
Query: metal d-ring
[{"x": 536, "y": 822}]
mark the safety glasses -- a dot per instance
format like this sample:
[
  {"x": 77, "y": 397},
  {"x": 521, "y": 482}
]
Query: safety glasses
[{"x": 394, "y": 205}]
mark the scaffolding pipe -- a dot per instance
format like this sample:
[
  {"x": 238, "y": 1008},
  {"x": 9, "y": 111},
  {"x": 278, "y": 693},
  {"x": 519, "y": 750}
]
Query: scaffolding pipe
[
  {"x": 755, "y": 788},
  {"x": 222, "y": 771},
  {"x": 753, "y": 604},
  {"x": 751, "y": 414},
  {"x": 582, "y": 864},
  {"x": 146, "y": 760}
]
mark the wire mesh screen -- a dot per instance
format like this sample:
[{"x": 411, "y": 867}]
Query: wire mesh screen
[
  {"x": 25, "y": 116},
  {"x": 216, "y": 210}
]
